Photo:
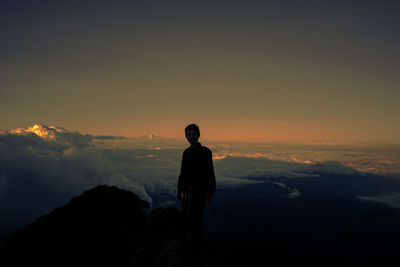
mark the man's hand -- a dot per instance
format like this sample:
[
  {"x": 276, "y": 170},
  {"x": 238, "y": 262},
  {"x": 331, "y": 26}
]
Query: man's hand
[
  {"x": 209, "y": 198},
  {"x": 182, "y": 196}
]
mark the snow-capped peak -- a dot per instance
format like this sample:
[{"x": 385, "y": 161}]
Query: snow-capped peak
[{"x": 43, "y": 131}]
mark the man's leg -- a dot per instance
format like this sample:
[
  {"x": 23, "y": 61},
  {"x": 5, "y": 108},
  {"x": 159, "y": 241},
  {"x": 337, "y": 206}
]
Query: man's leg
[
  {"x": 185, "y": 207},
  {"x": 196, "y": 219}
]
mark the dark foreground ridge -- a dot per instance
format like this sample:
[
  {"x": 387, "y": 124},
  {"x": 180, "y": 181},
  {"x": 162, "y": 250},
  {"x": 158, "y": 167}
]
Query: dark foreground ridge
[{"x": 108, "y": 226}]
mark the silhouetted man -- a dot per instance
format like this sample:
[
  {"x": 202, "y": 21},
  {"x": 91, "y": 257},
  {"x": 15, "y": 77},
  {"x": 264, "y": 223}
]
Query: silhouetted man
[{"x": 196, "y": 182}]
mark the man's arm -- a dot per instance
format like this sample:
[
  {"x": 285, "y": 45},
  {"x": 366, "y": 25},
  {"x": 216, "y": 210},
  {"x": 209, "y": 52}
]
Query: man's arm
[
  {"x": 180, "y": 180},
  {"x": 211, "y": 177}
]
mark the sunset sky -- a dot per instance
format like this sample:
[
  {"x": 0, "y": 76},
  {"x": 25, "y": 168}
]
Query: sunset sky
[{"x": 308, "y": 71}]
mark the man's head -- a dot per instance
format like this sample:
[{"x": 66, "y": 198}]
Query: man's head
[{"x": 192, "y": 133}]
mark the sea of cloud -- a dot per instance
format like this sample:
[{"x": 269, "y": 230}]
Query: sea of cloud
[
  {"x": 391, "y": 199},
  {"x": 38, "y": 175}
]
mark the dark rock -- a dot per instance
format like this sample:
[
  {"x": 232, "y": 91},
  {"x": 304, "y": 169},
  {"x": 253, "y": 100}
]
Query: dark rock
[{"x": 108, "y": 226}]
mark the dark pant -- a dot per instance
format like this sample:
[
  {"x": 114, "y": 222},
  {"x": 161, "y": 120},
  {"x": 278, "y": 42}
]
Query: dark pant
[{"x": 193, "y": 207}]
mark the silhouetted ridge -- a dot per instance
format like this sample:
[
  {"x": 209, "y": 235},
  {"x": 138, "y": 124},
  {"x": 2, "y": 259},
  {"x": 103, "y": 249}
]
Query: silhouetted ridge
[{"x": 105, "y": 226}]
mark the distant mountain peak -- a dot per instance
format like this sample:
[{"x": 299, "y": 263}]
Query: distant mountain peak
[
  {"x": 149, "y": 137},
  {"x": 43, "y": 131}
]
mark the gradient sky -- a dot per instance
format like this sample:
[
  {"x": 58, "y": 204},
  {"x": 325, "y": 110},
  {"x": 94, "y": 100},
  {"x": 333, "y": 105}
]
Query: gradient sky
[{"x": 243, "y": 70}]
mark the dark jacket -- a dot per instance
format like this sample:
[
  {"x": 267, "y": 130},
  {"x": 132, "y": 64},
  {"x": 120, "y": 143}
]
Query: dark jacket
[{"x": 197, "y": 170}]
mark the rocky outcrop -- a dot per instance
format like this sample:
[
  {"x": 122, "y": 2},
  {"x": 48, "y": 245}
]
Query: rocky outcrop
[{"x": 108, "y": 226}]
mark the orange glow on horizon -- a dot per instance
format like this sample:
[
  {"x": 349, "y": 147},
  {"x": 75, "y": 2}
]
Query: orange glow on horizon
[{"x": 243, "y": 131}]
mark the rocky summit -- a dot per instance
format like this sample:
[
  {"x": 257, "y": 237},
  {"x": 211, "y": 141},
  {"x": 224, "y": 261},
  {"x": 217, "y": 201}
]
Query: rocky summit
[{"x": 108, "y": 226}]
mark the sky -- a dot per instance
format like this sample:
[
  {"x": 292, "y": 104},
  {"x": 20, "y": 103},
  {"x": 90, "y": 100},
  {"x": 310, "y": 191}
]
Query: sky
[{"x": 304, "y": 71}]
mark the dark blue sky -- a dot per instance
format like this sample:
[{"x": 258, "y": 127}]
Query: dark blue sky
[{"x": 287, "y": 70}]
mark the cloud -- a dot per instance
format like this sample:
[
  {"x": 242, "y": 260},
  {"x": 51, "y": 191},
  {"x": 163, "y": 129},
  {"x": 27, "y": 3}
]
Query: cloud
[
  {"x": 38, "y": 174},
  {"x": 109, "y": 137},
  {"x": 362, "y": 158},
  {"x": 293, "y": 192},
  {"x": 232, "y": 182},
  {"x": 390, "y": 199},
  {"x": 263, "y": 168}
]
